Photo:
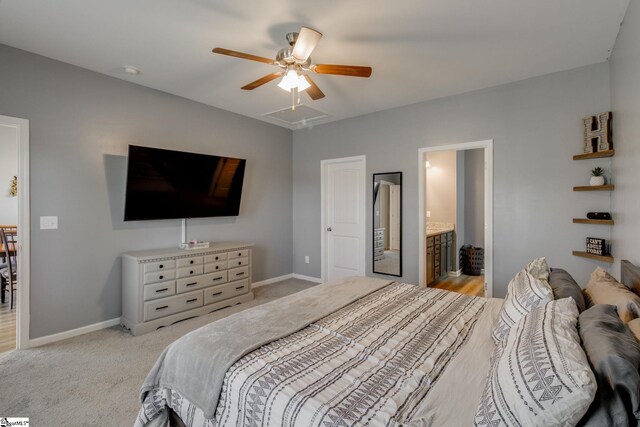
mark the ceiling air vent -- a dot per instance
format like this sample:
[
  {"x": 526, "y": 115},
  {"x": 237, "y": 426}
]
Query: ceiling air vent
[{"x": 300, "y": 117}]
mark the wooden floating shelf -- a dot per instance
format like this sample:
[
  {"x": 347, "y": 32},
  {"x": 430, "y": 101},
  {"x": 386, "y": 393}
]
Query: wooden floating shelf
[
  {"x": 598, "y": 155},
  {"x": 603, "y": 258},
  {"x": 608, "y": 187},
  {"x": 592, "y": 221}
]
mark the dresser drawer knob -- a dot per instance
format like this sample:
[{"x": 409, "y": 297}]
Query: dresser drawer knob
[
  {"x": 161, "y": 266},
  {"x": 239, "y": 253},
  {"x": 240, "y": 274},
  {"x": 239, "y": 262},
  {"x": 192, "y": 300},
  {"x": 191, "y": 262},
  {"x": 215, "y": 279},
  {"x": 217, "y": 258},
  {"x": 217, "y": 267},
  {"x": 239, "y": 287},
  {"x": 191, "y": 284},
  {"x": 191, "y": 272},
  {"x": 162, "y": 308},
  {"x": 216, "y": 294},
  {"x": 161, "y": 277},
  {"x": 162, "y": 290}
]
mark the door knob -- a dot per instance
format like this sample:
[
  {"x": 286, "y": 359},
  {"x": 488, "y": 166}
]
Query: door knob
[{"x": 329, "y": 229}]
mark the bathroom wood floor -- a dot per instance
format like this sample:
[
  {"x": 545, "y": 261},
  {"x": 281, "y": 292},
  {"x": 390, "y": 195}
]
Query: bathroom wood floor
[
  {"x": 467, "y": 285},
  {"x": 7, "y": 327}
]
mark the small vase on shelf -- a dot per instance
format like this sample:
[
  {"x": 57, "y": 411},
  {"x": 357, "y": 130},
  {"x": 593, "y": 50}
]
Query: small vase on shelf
[{"x": 597, "y": 177}]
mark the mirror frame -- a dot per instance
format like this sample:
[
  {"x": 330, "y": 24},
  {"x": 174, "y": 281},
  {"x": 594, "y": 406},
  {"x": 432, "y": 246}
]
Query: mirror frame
[{"x": 373, "y": 219}]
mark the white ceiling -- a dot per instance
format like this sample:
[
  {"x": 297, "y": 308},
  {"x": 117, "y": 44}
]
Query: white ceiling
[{"x": 419, "y": 49}]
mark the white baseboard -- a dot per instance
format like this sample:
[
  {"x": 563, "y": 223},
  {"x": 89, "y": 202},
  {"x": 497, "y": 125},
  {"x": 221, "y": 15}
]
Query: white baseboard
[
  {"x": 307, "y": 278},
  {"x": 457, "y": 273},
  {"x": 36, "y": 342},
  {"x": 272, "y": 280}
]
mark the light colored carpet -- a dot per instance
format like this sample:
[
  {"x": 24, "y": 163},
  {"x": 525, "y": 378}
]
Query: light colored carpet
[{"x": 93, "y": 379}]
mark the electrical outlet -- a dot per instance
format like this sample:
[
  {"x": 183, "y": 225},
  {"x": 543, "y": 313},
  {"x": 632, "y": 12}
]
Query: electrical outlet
[
  {"x": 48, "y": 223},
  {"x": 306, "y": 259},
  {"x": 428, "y": 214}
]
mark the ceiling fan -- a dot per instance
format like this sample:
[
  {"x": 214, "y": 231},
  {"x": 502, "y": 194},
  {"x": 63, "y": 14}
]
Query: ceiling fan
[{"x": 295, "y": 63}]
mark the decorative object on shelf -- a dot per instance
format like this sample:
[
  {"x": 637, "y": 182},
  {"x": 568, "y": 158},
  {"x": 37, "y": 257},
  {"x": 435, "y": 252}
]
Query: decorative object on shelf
[
  {"x": 597, "y": 176},
  {"x": 597, "y": 133},
  {"x": 13, "y": 190},
  {"x": 194, "y": 244},
  {"x": 599, "y": 215},
  {"x": 596, "y": 246}
]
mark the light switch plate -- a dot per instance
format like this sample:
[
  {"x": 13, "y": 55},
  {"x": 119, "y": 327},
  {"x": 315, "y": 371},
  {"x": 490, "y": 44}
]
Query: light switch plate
[
  {"x": 48, "y": 223},
  {"x": 428, "y": 214}
]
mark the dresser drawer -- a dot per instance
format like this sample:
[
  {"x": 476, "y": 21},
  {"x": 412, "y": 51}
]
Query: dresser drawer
[
  {"x": 215, "y": 266},
  {"x": 160, "y": 266},
  {"x": 238, "y": 262},
  {"x": 215, "y": 258},
  {"x": 159, "y": 276},
  {"x": 193, "y": 270},
  {"x": 159, "y": 290},
  {"x": 238, "y": 254},
  {"x": 238, "y": 273},
  {"x": 166, "y": 306},
  {"x": 202, "y": 281},
  {"x": 196, "y": 260},
  {"x": 219, "y": 293}
]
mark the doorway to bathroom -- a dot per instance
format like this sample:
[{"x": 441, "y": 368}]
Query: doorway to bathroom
[{"x": 456, "y": 217}]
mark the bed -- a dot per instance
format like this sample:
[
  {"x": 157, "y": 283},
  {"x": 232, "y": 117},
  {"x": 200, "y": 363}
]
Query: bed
[{"x": 359, "y": 351}]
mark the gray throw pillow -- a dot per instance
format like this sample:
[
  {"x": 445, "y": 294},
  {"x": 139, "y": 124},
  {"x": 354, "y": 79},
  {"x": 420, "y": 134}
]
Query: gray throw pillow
[
  {"x": 614, "y": 356},
  {"x": 563, "y": 286}
]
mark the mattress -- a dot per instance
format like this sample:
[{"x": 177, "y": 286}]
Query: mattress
[{"x": 401, "y": 355}]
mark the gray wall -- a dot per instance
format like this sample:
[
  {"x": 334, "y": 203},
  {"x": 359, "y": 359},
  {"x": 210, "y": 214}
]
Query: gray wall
[
  {"x": 81, "y": 123},
  {"x": 625, "y": 102},
  {"x": 460, "y": 212},
  {"x": 8, "y": 169},
  {"x": 536, "y": 127},
  {"x": 474, "y": 197},
  {"x": 441, "y": 186}
]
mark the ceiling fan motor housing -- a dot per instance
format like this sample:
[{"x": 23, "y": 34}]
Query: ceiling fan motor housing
[{"x": 285, "y": 57}]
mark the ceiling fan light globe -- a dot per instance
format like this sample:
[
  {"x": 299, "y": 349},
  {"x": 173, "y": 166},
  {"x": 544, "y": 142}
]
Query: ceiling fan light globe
[
  {"x": 303, "y": 84},
  {"x": 289, "y": 81}
]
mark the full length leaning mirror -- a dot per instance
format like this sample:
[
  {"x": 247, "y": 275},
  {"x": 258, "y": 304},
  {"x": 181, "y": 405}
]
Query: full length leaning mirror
[{"x": 387, "y": 223}]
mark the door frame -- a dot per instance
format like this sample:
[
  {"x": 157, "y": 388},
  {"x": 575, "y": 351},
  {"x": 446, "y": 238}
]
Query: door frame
[
  {"x": 24, "y": 215},
  {"x": 487, "y": 145},
  {"x": 324, "y": 165}
]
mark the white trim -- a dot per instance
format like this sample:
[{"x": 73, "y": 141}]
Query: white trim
[
  {"x": 272, "y": 280},
  {"x": 73, "y": 332},
  {"x": 456, "y": 273},
  {"x": 24, "y": 216},
  {"x": 307, "y": 278},
  {"x": 323, "y": 187},
  {"x": 488, "y": 207}
]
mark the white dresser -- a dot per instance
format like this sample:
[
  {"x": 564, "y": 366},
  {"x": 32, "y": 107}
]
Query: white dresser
[{"x": 164, "y": 286}]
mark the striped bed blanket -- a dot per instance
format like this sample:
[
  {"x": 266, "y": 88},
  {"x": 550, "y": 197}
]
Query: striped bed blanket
[{"x": 370, "y": 363}]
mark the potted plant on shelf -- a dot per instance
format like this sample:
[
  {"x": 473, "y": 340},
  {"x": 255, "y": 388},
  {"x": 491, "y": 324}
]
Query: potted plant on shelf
[{"x": 597, "y": 176}]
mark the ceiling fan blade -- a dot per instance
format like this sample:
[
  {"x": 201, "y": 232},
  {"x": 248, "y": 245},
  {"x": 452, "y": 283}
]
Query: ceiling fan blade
[
  {"x": 342, "y": 70},
  {"x": 241, "y": 55},
  {"x": 306, "y": 42},
  {"x": 261, "y": 81},
  {"x": 313, "y": 91}
]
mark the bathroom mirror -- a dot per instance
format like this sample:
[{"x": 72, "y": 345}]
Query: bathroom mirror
[{"x": 387, "y": 223}]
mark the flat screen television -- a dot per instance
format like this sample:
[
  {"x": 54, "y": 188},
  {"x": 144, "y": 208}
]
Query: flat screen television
[{"x": 164, "y": 184}]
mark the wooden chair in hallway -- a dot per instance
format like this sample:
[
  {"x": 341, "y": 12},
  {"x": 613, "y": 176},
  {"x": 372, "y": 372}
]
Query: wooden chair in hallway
[{"x": 8, "y": 274}]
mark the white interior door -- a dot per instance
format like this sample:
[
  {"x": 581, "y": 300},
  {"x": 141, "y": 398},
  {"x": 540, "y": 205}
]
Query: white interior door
[
  {"x": 394, "y": 217},
  {"x": 344, "y": 218}
]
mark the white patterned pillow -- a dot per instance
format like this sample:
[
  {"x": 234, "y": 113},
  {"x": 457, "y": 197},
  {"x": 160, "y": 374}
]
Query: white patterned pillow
[
  {"x": 524, "y": 293},
  {"x": 539, "y": 269},
  {"x": 539, "y": 374}
]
